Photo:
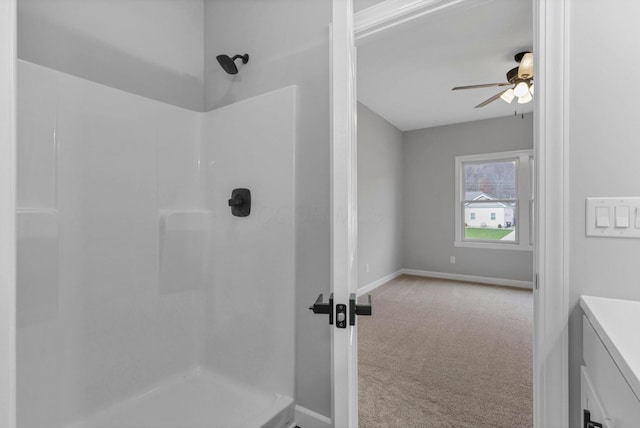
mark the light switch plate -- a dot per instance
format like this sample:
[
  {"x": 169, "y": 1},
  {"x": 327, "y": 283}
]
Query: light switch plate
[{"x": 623, "y": 221}]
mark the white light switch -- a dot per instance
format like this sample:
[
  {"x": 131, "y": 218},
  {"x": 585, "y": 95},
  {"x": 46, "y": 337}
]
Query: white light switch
[
  {"x": 613, "y": 217},
  {"x": 602, "y": 217},
  {"x": 622, "y": 217}
]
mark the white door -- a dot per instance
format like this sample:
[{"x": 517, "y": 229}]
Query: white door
[{"x": 344, "y": 221}]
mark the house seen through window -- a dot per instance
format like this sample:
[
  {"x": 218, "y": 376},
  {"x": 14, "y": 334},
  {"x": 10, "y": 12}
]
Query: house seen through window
[{"x": 493, "y": 205}]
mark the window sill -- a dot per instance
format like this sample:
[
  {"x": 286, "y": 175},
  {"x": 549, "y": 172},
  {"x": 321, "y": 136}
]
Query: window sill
[{"x": 492, "y": 246}]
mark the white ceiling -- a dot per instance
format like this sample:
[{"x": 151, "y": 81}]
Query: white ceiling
[{"x": 406, "y": 73}]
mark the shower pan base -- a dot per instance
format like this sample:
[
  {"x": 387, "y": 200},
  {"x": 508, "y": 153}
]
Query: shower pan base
[{"x": 197, "y": 399}]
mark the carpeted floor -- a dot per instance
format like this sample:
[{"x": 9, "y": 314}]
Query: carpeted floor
[{"x": 439, "y": 353}]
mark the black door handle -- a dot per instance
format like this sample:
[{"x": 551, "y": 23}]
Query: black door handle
[
  {"x": 323, "y": 308},
  {"x": 355, "y": 309}
]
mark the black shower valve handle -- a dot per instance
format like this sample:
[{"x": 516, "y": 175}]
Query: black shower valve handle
[{"x": 240, "y": 202}]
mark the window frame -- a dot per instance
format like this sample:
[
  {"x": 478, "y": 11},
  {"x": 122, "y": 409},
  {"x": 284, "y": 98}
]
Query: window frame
[{"x": 524, "y": 201}]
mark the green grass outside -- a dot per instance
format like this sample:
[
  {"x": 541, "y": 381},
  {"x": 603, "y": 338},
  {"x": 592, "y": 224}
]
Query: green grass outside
[{"x": 485, "y": 234}]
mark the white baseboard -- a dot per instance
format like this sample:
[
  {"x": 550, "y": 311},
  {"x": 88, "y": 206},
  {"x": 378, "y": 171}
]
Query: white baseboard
[
  {"x": 375, "y": 284},
  {"x": 470, "y": 278},
  {"x": 306, "y": 418}
]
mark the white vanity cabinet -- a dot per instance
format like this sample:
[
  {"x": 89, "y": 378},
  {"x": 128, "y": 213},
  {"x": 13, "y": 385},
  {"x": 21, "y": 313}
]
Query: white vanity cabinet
[{"x": 610, "y": 376}]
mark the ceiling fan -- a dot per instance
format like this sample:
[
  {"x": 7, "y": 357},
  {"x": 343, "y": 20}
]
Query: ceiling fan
[{"x": 519, "y": 78}]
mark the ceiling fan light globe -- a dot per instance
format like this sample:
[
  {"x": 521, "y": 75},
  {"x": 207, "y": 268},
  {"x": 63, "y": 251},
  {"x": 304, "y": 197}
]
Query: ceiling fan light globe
[
  {"x": 525, "y": 98},
  {"x": 531, "y": 89},
  {"x": 525, "y": 70},
  {"x": 508, "y": 95},
  {"x": 521, "y": 89}
]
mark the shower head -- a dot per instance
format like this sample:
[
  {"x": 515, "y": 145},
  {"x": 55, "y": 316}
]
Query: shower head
[{"x": 229, "y": 65}]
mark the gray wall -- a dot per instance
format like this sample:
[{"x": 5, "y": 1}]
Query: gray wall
[
  {"x": 153, "y": 48},
  {"x": 429, "y": 197},
  {"x": 288, "y": 43},
  {"x": 379, "y": 197},
  {"x": 603, "y": 153}
]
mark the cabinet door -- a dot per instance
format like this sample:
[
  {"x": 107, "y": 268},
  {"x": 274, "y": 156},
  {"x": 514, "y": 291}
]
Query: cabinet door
[
  {"x": 614, "y": 394},
  {"x": 590, "y": 401}
]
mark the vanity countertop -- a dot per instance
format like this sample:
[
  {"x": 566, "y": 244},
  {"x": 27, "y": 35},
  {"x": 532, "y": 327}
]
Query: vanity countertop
[{"x": 617, "y": 323}]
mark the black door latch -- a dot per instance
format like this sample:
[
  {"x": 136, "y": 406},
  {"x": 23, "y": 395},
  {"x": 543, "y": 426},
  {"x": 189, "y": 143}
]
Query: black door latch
[{"x": 341, "y": 310}]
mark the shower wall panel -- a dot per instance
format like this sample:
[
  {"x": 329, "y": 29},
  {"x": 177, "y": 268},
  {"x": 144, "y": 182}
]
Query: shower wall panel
[
  {"x": 250, "y": 313},
  {"x": 99, "y": 171},
  {"x": 131, "y": 267}
]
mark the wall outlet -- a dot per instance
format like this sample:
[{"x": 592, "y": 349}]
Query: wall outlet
[
  {"x": 452, "y": 260},
  {"x": 367, "y": 267}
]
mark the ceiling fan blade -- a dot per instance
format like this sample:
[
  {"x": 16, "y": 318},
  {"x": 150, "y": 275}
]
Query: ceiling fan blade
[
  {"x": 486, "y": 85},
  {"x": 525, "y": 70},
  {"x": 492, "y": 99}
]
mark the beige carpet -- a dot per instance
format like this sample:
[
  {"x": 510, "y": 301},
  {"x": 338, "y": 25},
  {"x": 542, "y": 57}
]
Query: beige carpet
[{"x": 440, "y": 353}]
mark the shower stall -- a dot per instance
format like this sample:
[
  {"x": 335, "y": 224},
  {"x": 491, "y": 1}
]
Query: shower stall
[{"x": 144, "y": 299}]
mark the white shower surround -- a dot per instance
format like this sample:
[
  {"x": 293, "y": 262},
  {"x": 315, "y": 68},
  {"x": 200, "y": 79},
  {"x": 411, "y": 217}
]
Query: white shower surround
[{"x": 145, "y": 293}]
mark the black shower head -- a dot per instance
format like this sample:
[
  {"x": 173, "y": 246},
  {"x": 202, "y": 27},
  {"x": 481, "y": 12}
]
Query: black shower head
[{"x": 229, "y": 65}]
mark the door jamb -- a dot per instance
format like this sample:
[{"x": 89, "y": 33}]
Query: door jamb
[{"x": 552, "y": 257}]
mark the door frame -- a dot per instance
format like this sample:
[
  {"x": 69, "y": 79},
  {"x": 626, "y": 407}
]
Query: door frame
[
  {"x": 8, "y": 166},
  {"x": 552, "y": 257},
  {"x": 551, "y": 144}
]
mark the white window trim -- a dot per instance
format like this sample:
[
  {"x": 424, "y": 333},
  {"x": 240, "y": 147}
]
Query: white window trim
[{"x": 524, "y": 192}]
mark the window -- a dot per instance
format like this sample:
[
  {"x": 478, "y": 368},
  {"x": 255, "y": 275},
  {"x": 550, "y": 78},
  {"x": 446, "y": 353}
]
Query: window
[{"x": 494, "y": 194}]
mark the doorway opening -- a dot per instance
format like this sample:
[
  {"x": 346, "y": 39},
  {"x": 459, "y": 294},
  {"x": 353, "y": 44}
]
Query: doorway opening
[{"x": 446, "y": 225}]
